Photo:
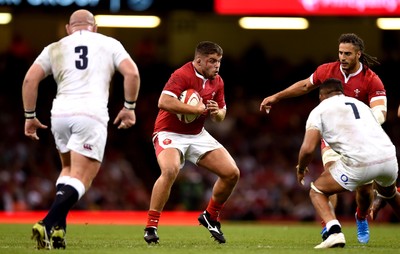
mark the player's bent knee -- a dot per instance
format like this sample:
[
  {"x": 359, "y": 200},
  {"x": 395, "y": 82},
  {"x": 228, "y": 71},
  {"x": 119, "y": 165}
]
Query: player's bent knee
[
  {"x": 235, "y": 175},
  {"x": 170, "y": 173},
  {"x": 387, "y": 197},
  {"x": 314, "y": 190},
  {"x": 231, "y": 177},
  {"x": 388, "y": 192}
]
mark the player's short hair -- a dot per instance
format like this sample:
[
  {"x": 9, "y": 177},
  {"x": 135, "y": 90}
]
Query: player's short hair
[
  {"x": 208, "y": 48},
  {"x": 331, "y": 85}
]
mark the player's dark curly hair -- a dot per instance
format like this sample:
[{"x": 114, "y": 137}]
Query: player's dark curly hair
[
  {"x": 359, "y": 44},
  {"x": 208, "y": 48}
]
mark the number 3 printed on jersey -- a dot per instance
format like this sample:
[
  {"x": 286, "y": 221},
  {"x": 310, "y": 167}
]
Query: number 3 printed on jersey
[{"x": 82, "y": 63}]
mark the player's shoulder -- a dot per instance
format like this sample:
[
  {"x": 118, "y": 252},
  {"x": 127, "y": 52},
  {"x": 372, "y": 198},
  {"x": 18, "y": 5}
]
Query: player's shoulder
[
  {"x": 326, "y": 70},
  {"x": 105, "y": 38},
  {"x": 219, "y": 79},
  {"x": 94, "y": 36},
  {"x": 186, "y": 70},
  {"x": 369, "y": 72},
  {"x": 187, "y": 67},
  {"x": 329, "y": 65},
  {"x": 372, "y": 79}
]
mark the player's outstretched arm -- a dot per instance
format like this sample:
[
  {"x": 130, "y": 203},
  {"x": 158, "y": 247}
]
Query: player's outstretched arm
[{"x": 297, "y": 89}]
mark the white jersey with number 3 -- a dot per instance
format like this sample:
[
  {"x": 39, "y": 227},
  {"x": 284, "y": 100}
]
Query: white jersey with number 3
[
  {"x": 350, "y": 128},
  {"x": 82, "y": 65}
]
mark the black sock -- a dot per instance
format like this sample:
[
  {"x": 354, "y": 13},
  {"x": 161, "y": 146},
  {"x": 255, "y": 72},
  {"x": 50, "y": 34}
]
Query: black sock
[
  {"x": 66, "y": 197},
  {"x": 59, "y": 186},
  {"x": 334, "y": 230}
]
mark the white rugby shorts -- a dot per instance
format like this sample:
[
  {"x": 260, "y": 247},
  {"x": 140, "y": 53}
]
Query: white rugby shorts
[
  {"x": 81, "y": 133},
  {"x": 383, "y": 172},
  {"x": 191, "y": 147}
]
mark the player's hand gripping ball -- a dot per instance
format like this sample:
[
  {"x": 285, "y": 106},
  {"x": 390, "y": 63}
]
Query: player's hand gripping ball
[{"x": 190, "y": 97}]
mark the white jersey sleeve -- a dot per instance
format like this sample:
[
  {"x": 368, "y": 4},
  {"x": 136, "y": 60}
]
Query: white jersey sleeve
[{"x": 44, "y": 61}]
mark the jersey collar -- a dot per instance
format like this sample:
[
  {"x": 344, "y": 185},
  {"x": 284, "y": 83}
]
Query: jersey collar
[
  {"x": 200, "y": 76},
  {"x": 347, "y": 78}
]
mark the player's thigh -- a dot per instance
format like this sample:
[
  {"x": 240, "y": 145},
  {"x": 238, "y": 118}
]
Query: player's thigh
[
  {"x": 365, "y": 189},
  {"x": 220, "y": 162},
  {"x": 385, "y": 174},
  {"x": 169, "y": 148},
  {"x": 60, "y": 127},
  {"x": 169, "y": 160},
  {"x": 88, "y": 137},
  {"x": 387, "y": 191},
  {"x": 65, "y": 163},
  {"x": 84, "y": 168},
  {"x": 385, "y": 182},
  {"x": 327, "y": 184}
]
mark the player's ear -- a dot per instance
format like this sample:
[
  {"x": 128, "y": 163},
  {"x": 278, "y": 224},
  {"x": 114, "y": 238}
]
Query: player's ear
[
  {"x": 67, "y": 28},
  {"x": 359, "y": 53}
]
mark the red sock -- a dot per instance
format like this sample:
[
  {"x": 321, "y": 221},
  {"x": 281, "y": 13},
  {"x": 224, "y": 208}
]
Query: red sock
[
  {"x": 361, "y": 215},
  {"x": 152, "y": 219},
  {"x": 214, "y": 209},
  {"x": 323, "y": 224}
]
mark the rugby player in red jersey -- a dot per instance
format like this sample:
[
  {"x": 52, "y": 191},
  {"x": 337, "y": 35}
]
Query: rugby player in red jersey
[
  {"x": 176, "y": 141},
  {"x": 360, "y": 82}
]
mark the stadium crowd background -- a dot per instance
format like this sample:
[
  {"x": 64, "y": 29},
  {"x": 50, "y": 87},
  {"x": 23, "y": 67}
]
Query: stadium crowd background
[{"x": 264, "y": 146}]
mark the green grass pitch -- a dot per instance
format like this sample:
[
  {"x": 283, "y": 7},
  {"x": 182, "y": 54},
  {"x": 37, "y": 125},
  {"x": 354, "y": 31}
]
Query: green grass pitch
[{"x": 243, "y": 238}]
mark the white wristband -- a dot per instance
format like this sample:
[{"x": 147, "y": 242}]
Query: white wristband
[
  {"x": 131, "y": 105},
  {"x": 30, "y": 114}
]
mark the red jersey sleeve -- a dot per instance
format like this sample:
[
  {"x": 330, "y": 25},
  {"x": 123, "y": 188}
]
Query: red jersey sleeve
[
  {"x": 325, "y": 71},
  {"x": 375, "y": 85}
]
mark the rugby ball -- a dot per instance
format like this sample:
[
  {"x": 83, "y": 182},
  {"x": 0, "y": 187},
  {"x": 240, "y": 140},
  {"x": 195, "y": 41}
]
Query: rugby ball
[{"x": 190, "y": 97}]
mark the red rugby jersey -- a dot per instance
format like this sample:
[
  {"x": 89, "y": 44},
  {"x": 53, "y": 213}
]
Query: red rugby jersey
[
  {"x": 182, "y": 79},
  {"x": 362, "y": 85}
]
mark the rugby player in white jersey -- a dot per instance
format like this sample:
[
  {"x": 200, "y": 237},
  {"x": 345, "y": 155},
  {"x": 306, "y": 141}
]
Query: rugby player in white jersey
[
  {"x": 367, "y": 154},
  {"x": 82, "y": 64}
]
